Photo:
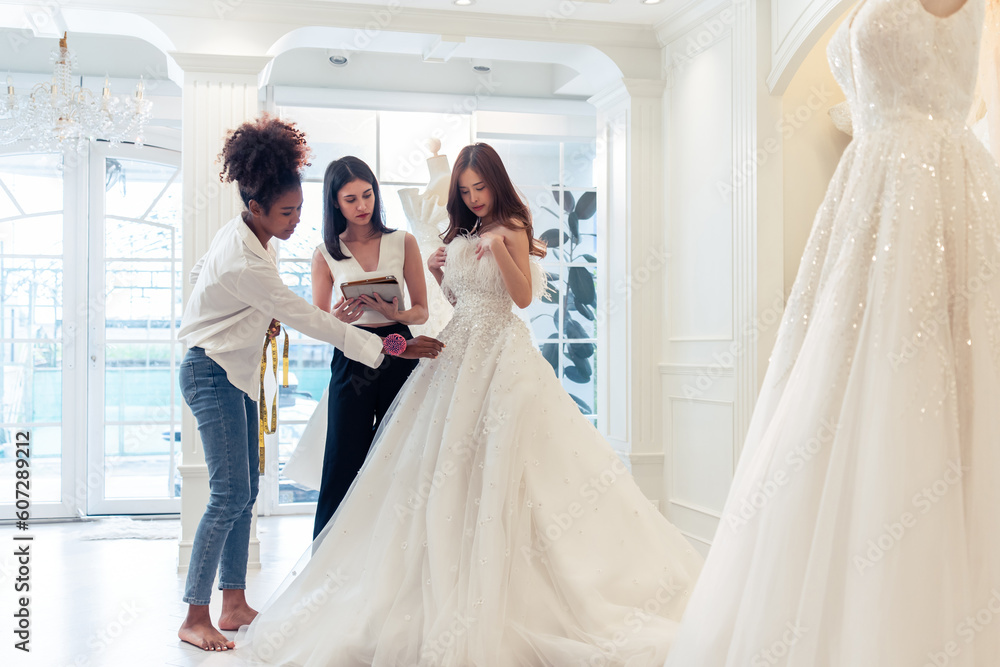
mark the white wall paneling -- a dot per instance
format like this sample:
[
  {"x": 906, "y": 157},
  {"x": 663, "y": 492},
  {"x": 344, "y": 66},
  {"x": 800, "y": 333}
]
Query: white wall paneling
[
  {"x": 721, "y": 153},
  {"x": 702, "y": 458},
  {"x": 700, "y": 182}
]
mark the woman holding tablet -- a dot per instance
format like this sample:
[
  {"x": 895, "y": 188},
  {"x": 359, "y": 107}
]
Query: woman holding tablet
[
  {"x": 238, "y": 295},
  {"x": 358, "y": 247}
]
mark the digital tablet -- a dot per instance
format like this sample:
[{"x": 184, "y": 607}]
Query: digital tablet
[{"x": 387, "y": 287}]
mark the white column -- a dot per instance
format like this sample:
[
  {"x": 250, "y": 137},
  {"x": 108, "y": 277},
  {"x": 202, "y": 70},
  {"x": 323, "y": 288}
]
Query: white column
[
  {"x": 220, "y": 93},
  {"x": 630, "y": 131}
]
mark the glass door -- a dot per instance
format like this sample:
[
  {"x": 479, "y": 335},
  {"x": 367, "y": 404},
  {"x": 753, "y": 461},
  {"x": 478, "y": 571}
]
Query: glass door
[
  {"x": 37, "y": 364},
  {"x": 135, "y": 288}
]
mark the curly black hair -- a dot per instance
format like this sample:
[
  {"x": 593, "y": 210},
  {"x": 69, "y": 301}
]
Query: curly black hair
[{"x": 265, "y": 157}]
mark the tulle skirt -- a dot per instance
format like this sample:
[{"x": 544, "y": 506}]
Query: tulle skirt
[{"x": 491, "y": 526}]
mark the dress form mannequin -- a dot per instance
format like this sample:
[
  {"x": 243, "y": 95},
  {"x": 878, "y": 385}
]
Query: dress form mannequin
[
  {"x": 985, "y": 114},
  {"x": 428, "y": 217}
]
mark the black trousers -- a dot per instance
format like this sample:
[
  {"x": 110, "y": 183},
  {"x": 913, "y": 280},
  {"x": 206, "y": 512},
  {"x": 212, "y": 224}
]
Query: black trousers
[{"x": 359, "y": 398}]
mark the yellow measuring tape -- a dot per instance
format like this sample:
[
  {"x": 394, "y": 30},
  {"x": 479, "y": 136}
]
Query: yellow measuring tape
[{"x": 272, "y": 341}]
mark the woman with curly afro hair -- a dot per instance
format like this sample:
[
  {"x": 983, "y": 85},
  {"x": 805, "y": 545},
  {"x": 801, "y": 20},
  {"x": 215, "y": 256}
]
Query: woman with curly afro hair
[{"x": 235, "y": 306}]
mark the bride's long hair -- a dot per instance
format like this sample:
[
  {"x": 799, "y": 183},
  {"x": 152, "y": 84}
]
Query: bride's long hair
[{"x": 508, "y": 207}]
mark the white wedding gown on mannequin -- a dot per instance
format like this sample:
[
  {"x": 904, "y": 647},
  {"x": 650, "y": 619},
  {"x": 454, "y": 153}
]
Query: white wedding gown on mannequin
[
  {"x": 490, "y": 526},
  {"x": 862, "y": 526}
]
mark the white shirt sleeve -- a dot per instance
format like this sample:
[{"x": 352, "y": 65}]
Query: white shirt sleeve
[
  {"x": 196, "y": 270},
  {"x": 261, "y": 287}
]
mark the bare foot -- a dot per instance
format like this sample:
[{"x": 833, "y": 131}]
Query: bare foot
[
  {"x": 198, "y": 630},
  {"x": 235, "y": 610}
]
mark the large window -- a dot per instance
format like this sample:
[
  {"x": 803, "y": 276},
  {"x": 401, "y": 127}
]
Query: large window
[
  {"x": 557, "y": 178},
  {"x": 90, "y": 298}
]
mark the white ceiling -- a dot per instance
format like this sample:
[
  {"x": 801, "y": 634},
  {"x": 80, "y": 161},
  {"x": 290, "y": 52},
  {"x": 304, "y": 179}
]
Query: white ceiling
[
  {"x": 409, "y": 73},
  {"x": 617, "y": 11},
  {"x": 96, "y": 55}
]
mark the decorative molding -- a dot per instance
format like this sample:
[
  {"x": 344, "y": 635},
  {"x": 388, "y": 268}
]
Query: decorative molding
[
  {"x": 648, "y": 88},
  {"x": 788, "y": 51},
  {"x": 695, "y": 508},
  {"x": 647, "y": 458},
  {"x": 695, "y": 369},
  {"x": 700, "y": 339},
  {"x": 211, "y": 63},
  {"x": 615, "y": 95},
  {"x": 744, "y": 198},
  {"x": 673, "y": 398},
  {"x": 689, "y": 17},
  {"x": 692, "y": 536}
]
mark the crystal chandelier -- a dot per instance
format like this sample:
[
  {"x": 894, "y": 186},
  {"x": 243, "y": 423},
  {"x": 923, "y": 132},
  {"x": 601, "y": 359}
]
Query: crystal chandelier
[{"x": 59, "y": 115}]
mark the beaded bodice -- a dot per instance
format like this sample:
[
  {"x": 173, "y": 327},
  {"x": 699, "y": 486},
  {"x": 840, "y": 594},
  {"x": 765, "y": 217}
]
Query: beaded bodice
[
  {"x": 477, "y": 290},
  {"x": 897, "y": 62}
]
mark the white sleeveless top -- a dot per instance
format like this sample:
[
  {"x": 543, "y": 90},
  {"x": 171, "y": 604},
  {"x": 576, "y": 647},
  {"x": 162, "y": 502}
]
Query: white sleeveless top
[{"x": 391, "y": 255}]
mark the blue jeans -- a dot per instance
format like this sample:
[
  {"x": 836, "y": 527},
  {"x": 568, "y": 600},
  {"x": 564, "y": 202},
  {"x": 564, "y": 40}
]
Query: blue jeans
[{"x": 228, "y": 424}]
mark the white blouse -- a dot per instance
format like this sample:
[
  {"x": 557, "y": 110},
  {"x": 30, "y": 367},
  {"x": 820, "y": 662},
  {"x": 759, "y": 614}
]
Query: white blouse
[
  {"x": 238, "y": 291},
  {"x": 391, "y": 256}
]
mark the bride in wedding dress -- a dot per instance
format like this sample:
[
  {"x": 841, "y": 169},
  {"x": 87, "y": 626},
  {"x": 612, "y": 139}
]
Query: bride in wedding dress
[
  {"x": 861, "y": 528},
  {"x": 491, "y": 525}
]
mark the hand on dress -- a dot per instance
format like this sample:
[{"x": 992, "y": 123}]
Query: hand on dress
[
  {"x": 436, "y": 260},
  {"x": 422, "y": 347},
  {"x": 347, "y": 310},
  {"x": 390, "y": 311},
  {"x": 487, "y": 242}
]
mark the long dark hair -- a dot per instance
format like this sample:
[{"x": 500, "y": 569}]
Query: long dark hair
[
  {"x": 265, "y": 157},
  {"x": 338, "y": 174},
  {"x": 508, "y": 208}
]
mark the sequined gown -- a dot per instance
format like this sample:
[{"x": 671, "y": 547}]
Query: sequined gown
[
  {"x": 862, "y": 529},
  {"x": 491, "y": 525}
]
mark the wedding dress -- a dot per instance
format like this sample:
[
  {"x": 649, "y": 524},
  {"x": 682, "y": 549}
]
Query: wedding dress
[
  {"x": 490, "y": 526},
  {"x": 862, "y": 524}
]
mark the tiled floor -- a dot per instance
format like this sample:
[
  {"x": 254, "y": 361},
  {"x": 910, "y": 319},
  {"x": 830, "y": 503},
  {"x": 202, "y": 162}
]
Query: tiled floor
[{"x": 116, "y": 603}]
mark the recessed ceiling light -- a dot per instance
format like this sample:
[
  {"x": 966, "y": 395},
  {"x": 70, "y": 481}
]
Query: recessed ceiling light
[
  {"x": 651, "y": 2},
  {"x": 338, "y": 61},
  {"x": 464, "y": 3},
  {"x": 482, "y": 66}
]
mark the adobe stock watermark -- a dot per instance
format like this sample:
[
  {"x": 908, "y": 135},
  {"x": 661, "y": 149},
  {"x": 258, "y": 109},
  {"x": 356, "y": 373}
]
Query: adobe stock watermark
[
  {"x": 931, "y": 327},
  {"x": 723, "y": 362},
  {"x": 434, "y": 652},
  {"x": 379, "y": 21},
  {"x": 894, "y": 531},
  {"x": 764, "y": 492},
  {"x": 967, "y": 631},
  {"x": 697, "y": 42},
  {"x": 462, "y": 452},
  {"x": 780, "y": 648},
  {"x": 561, "y": 522},
  {"x": 790, "y": 123},
  {"x": 269, "y": 641},
  {"x": 654, "y": 261},
  {"x": 608, "y": 649},
  {"x": 39, "y": 17},
  {"x": 101, "y": 640}
]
